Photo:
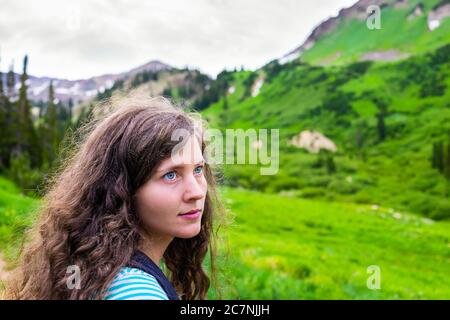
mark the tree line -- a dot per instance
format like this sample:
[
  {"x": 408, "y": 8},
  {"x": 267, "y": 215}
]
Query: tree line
[{"x": 29, "y": 143}]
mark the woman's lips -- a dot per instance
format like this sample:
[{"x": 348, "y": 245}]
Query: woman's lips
[{"x": 191, "y": 214}]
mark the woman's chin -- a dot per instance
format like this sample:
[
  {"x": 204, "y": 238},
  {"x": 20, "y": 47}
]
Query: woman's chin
[{"x": 189, "y": 232}]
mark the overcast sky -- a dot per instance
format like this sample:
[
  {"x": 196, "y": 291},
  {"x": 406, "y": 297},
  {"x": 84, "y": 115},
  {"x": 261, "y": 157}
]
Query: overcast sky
[{"x": 83, "y": 38}]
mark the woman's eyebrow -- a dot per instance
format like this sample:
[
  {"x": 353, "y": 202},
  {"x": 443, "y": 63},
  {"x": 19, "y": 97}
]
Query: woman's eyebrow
[{"x": 179, "y": 166}]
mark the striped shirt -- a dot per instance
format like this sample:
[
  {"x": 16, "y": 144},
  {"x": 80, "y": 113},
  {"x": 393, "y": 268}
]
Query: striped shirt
[{"x": 135, "y": 284}]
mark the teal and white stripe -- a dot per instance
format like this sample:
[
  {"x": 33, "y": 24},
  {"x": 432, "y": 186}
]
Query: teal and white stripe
[{"x": 135, "y": 284}]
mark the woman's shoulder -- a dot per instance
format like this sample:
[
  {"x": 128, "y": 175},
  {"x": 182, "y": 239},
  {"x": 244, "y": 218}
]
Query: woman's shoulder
[{"x": 134, "y": 284}]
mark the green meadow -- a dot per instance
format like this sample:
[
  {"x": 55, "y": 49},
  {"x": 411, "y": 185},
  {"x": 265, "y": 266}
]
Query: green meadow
[
  {"x": 279, "y": 247},
  {"x": 285, "y": 248},
  {"x": 17, "y": 213}
]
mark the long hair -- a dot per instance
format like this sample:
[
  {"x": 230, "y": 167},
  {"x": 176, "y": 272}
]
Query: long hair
[{"x": 88, "y": 217}]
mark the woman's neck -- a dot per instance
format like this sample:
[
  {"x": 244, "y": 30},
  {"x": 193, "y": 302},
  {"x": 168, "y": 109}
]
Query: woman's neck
[{"x": 154, "y": 247}]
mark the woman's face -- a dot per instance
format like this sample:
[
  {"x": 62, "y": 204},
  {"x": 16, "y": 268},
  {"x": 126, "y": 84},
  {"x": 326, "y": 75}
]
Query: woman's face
[{"x": 177, "y": 186}]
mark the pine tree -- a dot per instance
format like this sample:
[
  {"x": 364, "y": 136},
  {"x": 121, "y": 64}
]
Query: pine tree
[
  {"x": 40, "y": 104},
  {"x": 70, "y": 110},
  {"x": 9, "y": 121},
  {"x": 26, "y": 130},
  {"x": 84, "y": 116},
  {"x": 3, "y": 124},
  {"x": 447, "y": 159},
  {"x": 1, "y": 81},
  {"x": 225, "y": 104},
  {"x": 382, "y": 113},
  {"x": 13, "y": 119},
  {"x": 381, "y": 125},
  {"x": 360, "y": 138},
  {"x": 441, "y": 157},
  {"x": 330, "y": 165},
  {"x": 50, "y": 129},
  {"x": 224, "y": 113},
  {"x": 10, "y": 81}
]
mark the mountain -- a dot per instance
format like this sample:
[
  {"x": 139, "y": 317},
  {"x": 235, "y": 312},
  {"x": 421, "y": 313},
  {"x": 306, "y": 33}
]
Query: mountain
[
  {"x": 390, "y": 123},
  {"x": 84, "y": 89},
  {"x": 381, "y": 97},
  {"x": 407, "y": 27}
]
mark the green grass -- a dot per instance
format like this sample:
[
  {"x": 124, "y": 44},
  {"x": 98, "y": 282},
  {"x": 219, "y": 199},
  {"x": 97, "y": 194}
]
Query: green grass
[
  {"x": 16, "y": 214},
  {"x": 286, "y": 248},
  {"x": 280, "y": 247}
]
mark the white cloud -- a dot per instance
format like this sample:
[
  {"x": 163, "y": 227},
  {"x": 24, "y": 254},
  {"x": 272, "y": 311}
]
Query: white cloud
[{"x": 86, "y": 38}]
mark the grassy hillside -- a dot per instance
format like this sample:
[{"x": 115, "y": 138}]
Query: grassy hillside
[
  {"x": 343, "y": 102},
  {"x": 399, "y": 31},
  {"x": 285, "y": 248}
]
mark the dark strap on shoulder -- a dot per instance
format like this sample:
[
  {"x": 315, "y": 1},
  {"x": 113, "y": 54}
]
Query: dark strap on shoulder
[{"x": 144, "y": 263}]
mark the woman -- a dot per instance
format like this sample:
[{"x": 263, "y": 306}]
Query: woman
[{"x": 125, "y": 201}]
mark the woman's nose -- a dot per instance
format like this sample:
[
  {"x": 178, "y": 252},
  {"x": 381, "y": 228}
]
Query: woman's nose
[{"x": 194, "y": 188}]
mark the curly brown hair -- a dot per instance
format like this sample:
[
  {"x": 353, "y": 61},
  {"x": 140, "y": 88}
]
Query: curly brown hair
[{"x": 88, "y": 217}]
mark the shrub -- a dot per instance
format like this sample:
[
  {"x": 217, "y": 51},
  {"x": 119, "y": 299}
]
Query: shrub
[
  {"x": 311, "y": 192},
  {"x": 20, "y": 172}
]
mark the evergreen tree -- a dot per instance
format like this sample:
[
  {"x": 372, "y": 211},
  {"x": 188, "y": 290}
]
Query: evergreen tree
[
  {"x": 3, "y": 124},
  {"x": 26, "y": 130},
  {"x": 225, "y": 104},
  {"x": 441, "y": 157},
  {"x": 224, "y": 113},
  {"x": 23, "y": 142},
  {"x": 84, "y": 116},
  {"x": 330, "y": 165},
  {"x": 40, "y": 104},
  {"x": 70, "y": 110},
  {"x": 13, "y": 121},
  {"x": 447, "y": 159},
  {"x": 360, "y": 137},
  {"x": 1, "y": 81},
  {"x": 10, "y": 81},
  {"x": 382, "y": 105},
  {"x": 9, "y": 121},
  {"x": 381, "y": 124},
  {"x": 50, "y": 129}
]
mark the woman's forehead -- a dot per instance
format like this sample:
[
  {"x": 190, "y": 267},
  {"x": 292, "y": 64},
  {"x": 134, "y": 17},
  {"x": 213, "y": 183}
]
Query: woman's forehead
[{"x": 189, "y": 153}]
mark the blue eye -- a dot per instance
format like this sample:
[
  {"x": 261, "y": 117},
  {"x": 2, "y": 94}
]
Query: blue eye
[
  {"x": 198, "y": 171},
  {"x": 170, "y": 176}
]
